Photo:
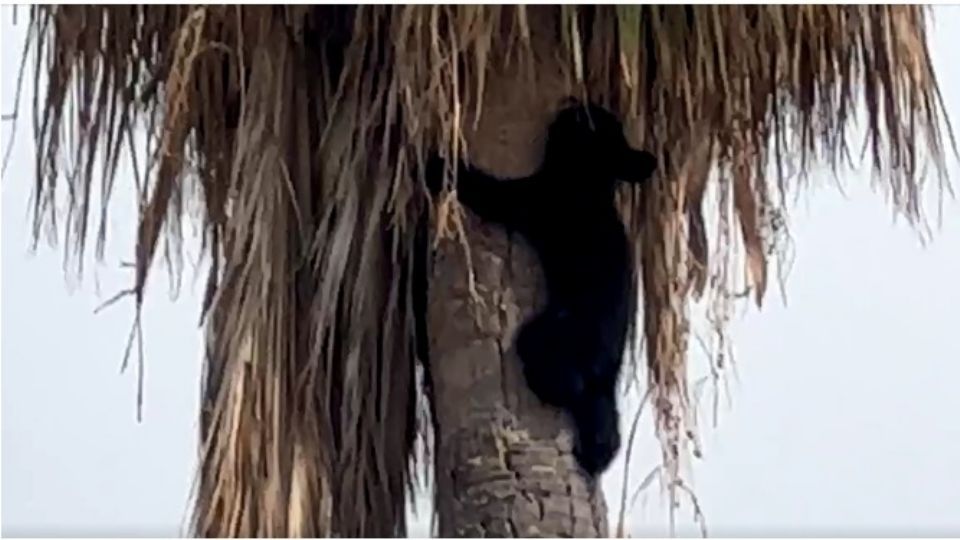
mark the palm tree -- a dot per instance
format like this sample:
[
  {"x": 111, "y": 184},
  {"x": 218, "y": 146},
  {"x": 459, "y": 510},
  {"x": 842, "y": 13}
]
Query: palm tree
[{"x": 299, "y": 135}]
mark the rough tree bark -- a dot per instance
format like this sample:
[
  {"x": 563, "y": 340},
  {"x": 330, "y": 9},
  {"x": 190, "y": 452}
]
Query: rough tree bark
[{"x": 504, "y": 461}]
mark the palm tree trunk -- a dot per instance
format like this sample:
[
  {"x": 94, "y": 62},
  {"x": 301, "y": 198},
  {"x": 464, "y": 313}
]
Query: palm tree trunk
[{"x": 504, "y": 465}]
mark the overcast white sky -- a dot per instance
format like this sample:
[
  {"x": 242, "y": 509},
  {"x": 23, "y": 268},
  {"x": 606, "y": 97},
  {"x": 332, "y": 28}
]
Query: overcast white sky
[{"x": 844, "y": 418}]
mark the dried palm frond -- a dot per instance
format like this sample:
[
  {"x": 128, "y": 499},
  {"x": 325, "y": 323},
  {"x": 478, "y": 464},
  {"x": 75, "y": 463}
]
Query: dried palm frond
[{"x": 306, "y": 127}]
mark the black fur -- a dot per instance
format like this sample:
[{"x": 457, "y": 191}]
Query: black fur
[{"x": 573, "y": 350}]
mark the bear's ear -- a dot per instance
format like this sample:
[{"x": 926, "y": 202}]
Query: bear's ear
[{"x": 637, "y": 166}]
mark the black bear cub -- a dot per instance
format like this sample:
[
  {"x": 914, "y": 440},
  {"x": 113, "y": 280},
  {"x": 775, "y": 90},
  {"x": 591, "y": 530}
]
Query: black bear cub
[{"x": 573, "y": 350}]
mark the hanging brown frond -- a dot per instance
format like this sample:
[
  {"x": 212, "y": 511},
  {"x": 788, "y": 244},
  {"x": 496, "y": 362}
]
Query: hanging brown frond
[{"x": 301, "y": 130}]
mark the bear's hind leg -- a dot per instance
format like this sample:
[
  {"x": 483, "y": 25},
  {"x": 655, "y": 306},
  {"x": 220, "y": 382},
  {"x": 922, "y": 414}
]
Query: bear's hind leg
[
  {"x": 547, "y": 347},
  {"x": 597, "y": 423}
]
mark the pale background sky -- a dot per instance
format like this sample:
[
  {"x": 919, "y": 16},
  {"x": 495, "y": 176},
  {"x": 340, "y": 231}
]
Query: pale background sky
[{"x": 844, "y": 419}]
